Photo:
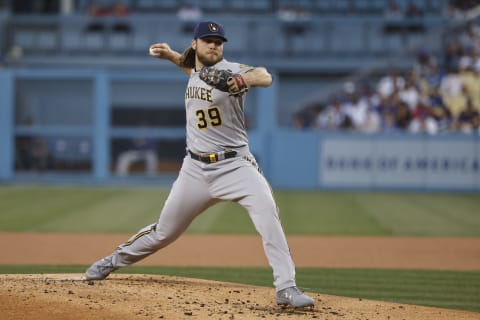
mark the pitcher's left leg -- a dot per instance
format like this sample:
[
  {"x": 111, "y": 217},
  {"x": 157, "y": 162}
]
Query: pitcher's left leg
[
  {"x": 250, "y": 189},
  {"x": 263, "y": 211}
]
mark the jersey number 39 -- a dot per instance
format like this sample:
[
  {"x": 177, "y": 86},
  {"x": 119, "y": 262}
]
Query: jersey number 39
[{"x": 210, "y": 116}]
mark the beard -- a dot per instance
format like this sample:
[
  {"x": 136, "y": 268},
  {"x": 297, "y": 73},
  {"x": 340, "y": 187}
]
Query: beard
[{"x": 209, "y": 60}]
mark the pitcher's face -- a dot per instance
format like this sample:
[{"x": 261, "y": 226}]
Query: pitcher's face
[{"x": 209, "y": 50}]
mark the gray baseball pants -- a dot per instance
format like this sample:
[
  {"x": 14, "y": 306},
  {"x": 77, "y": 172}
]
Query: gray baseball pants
[{"x": 201, "y": 185}]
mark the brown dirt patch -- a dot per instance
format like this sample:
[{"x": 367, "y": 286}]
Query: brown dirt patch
[
  {"x": 247, "y": 251},
  {"x": 160, "y": 297}
]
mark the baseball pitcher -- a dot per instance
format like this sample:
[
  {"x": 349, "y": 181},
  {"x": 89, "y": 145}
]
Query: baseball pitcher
[{"x": 218, "y": 165}]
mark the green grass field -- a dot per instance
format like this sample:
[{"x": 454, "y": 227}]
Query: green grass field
[
  {"x": 107, "y": 209},
  {"x": 122, "y": 209}
]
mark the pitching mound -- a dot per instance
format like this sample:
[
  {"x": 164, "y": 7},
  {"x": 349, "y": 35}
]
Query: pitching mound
[{"x": 68, "y": 297}]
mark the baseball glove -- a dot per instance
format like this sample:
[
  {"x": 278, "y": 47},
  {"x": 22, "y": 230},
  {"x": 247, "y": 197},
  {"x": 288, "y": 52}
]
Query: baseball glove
[{"x": 223, "y": 80}]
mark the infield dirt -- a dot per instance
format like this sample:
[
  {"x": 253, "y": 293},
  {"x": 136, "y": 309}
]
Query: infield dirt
[
  {"x": 159, "y": 297},
  {"x": 122, "y": 296}
]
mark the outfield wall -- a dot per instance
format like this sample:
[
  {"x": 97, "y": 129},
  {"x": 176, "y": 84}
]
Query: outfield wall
[
  {"x": 380, "y": 162},
  {"x": 79, "y": 106}
]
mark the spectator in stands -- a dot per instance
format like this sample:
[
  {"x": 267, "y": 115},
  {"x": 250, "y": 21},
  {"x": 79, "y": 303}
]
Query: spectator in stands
[
  {"x": 356, "y": 109},
  {"x": 470, "y": 75},
  {"x": 333, "y": 117},
  {"x": 393, "y": 12},
  {"x": 190, "y": 15},
  {"x": 423, "y": 122},
  {"x": 300, "y": 122},
  {"x": 452, "y": 91},
  {"x": 439, "y": 111},
  {"x": 410, "y": 94},
  {"x": 295, "y": 22},
  {"x": 95, "y": 9},
  {"x": 458, "y": 8},
  {"x": 393, "y": 82},
  {"x": 372, "y": 123},
  {"x": 425, "y": 64},
  {"x": 386, "y": 110},
  {"x": 118, "y": 10},
  {"x": 31, "y": 151},
  {"x": 305, "y": 118},
  {"x": 467, "y": 59},
  {"x": 368, "y": 93},
  {"x": 428, "y": 100},
  {"x": 141, "y": 149},
  {"x": 452, "y": 55},
  {"x": 435, "y": 99},
  {"x": 394, "y": 18},
  {"x": 32, "y": 154},
  {"x": 469, "y": 38},
  {"x": 432, "y": 80},
  {"x": 469, "y": 119},
  {"x": 403, "y": 116},
  {"x": 453, "y": 12},
  {"x": 413, "y": 11}
]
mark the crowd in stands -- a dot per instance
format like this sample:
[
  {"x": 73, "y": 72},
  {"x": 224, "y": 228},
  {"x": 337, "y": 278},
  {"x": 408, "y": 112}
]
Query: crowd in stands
[
  {"x": 437, "y": 94},
  {"x": 412, "y": 7},
  {"x": 394, "y": 11},
  {"x": 440, "y": 93},
  {"x": 117, "y": 8}
]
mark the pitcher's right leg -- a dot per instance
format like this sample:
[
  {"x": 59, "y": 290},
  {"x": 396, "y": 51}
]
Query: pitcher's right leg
[{"x": 188, "y": 197}]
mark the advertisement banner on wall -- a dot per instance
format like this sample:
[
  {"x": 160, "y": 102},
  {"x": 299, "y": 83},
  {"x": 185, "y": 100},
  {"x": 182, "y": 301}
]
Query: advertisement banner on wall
[{"x": 399, "y": 163}]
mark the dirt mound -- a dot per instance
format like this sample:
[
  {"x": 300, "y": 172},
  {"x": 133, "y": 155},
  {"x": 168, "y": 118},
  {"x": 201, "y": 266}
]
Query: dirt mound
[{"x": 70, "y": 297}]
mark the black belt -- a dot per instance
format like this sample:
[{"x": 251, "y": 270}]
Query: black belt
[{"x": 213, "y": 157}]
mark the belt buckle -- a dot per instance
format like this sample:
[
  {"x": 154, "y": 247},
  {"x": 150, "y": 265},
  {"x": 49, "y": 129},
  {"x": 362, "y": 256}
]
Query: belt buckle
[{"x": 213, "y": 157}]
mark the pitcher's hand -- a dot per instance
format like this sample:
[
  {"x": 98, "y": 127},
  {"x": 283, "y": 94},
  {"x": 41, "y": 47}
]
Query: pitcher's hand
[{"x": 161, "y": 51}]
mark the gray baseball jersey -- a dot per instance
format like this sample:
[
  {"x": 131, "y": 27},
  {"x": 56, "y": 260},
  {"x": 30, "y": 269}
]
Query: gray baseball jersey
[
  {"x": 215, "y": 123},
  {"x": 215, "y": 119}
]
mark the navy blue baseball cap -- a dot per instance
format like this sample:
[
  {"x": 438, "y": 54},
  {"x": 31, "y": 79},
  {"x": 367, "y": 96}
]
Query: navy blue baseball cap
[{"x": 209, "y": 29}]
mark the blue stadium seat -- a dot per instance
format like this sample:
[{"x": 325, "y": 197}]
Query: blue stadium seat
[
  {"x": 24, "y": 39},
  {"x": 369, "y": 6},
  {"x": 47, "y": 40},
  {"x": 341, "y": 6},
  {"x": 304, "y": 4},
  {"x": 36, "y": 40},
  {"x": 347, "y": 39},
  {"x": 156, "y": 6},
  {"x": 94, "y": 41},
  {"x": 213, "y": 5},
  {"x": 251, "y": 6},
  {"x": 71, "y": 38}
]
